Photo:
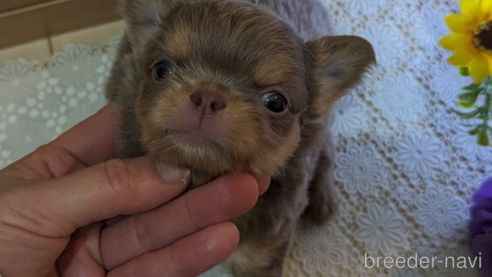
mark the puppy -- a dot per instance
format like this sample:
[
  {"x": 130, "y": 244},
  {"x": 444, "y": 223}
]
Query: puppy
[{"x": 224, "y": 86}]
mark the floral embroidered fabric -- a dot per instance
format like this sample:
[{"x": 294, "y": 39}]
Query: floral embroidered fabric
[{"x": 406, "y": 168}]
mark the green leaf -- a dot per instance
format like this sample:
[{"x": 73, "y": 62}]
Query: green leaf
[
  {"x": 466, "y": 105},
  {"x": 483, "y": 112},
  {"x": 483, "y": 140},
  {"x": 488, "y": 130},
  {"x": 464, "y": 71},
  {"x": 482, "y": 115},
  {"x": 475, "y": 130},
  {"x": 468, "y": 96},
  {"x": 472, "y": 87},
  {"x": 469, "y": 115},
  {"x": 468, "y": 99}
]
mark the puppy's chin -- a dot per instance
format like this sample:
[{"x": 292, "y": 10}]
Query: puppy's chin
[
  {"x": 209, "y": 158},
  {"x": 190, "y": 150}
]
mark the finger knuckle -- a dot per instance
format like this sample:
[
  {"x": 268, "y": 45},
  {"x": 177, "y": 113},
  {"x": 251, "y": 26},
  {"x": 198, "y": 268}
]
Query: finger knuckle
[
  {"x": 176, "y": 262},
  {"x": 192, "y": 215},
  {"x": 119, "y": 176},
  {"x": 143, "y": 235},
  {"x": 51, "y": 159},
  {"x": 140, "y": 269}
]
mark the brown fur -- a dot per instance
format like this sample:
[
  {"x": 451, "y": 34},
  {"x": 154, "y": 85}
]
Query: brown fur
[{"x": 241, "y": 50}]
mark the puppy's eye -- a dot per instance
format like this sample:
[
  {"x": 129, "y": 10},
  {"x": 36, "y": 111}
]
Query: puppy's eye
[
  {"x": 275, "y": 102},
  {"x": 163, "y": 70}
]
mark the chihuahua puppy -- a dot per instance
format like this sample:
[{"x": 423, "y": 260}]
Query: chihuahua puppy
[{"x": 224, "y": 86}]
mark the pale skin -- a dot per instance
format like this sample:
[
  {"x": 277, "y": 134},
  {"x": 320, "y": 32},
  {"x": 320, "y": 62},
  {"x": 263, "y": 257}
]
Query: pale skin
[{"x": 54, "y": 201}]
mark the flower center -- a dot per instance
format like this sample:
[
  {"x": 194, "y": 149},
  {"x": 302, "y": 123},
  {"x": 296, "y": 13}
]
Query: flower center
[
  {"x": 358, "y": 169},
  {"x": 483, "y": 36},
  {"x": 379, "y": 230},
  {"x": 418, "y": 153},
  {"x": 319, "y": 248},
  {"x": 440, "y": 211}
]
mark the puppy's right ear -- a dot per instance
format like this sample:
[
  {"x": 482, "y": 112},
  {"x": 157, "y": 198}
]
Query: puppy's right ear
[
  {"x": 144, "y": 18},
  {"x": 341, "y": 63}
]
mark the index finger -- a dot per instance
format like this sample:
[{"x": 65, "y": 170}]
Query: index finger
[{"x": 218, "y": 201}]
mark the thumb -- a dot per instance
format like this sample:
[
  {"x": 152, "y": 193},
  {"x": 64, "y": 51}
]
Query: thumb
[{"x": 116, "y": 187}]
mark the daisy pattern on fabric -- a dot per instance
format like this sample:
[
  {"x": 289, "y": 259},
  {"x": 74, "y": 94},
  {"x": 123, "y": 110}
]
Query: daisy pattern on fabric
[
  {"x": 429, "y": 27},
  {"x": 50, "y": 107},
  {"x": 468, "y": 144},
  {"x": 404, "y": 272},
  {"x": 75, "y": 67},
  {"x": 19, "y": 78},
  {"x": 4, "y": 155},
  {"x": 386, "y": 41},
  {"x": 28, "y": 134},
  {"x": 447, "y": 81},
  {"x": 109, "y": 56},
  {"x": 360, "y": 169},
  {"x": 358, "y": 267},
  {"x": 440, "y": 211},
  {"x": 418, "y": 154},
  {"x": 398, "y": 98},
  {"x": 319, "y": 249},
  {"x": 456, "y": 272},
  {"x": 348, "y": 115},
  {"x": 8, "y": 115},
  {"x": 366, "y": 6},
  {"x": 380, "y": 229},
  {"x": 471, "y": 38}
]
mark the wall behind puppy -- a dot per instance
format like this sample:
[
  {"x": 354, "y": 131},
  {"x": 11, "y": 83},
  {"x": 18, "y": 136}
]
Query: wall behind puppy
[{"x": 23, "y": 21}]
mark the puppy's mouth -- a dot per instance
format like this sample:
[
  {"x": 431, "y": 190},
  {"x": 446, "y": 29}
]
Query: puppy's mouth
[{"x": 192, "y": 138}]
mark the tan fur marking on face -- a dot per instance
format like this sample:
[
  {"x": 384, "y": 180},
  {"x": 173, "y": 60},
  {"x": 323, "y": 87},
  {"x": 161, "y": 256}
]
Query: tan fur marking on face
[
  {"x": 212, "y": 86},
  {"x": 273, "y": 70},
  {"x": 280, "y": 155},
  {"x": 292, "y": 141},
  {"x": 178, "y": 42}
]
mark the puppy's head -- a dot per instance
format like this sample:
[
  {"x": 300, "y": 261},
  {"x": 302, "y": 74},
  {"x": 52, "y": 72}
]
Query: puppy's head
[{"x": 225, "y": 84}]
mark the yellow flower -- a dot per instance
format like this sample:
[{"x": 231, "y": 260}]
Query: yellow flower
[{"x": 471, "y": 38}]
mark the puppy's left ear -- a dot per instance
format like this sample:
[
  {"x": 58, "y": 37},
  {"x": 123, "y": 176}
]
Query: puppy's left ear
[
  {"x": 144, "y": 18},
  {"x": 340, "y": 64}
]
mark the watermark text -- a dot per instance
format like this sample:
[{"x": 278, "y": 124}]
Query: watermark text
[{"x": 417, "y": 261}]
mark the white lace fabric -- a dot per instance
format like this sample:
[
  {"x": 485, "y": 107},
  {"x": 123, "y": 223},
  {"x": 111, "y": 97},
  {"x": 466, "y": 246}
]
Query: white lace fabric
[{"x": 406, "y": 168}]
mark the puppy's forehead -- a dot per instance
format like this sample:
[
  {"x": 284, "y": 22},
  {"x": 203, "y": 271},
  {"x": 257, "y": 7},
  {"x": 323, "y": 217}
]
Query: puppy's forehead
[{"x": 235, "y": 37}]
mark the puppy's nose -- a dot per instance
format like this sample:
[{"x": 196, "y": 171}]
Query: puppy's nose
[{"x": 206, "y": 102}]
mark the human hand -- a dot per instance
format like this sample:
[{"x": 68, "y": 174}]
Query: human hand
[{"x": 52, "y": 203}]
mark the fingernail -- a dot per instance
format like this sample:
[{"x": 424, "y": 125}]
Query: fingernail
[{"x": 173, "y": 175}]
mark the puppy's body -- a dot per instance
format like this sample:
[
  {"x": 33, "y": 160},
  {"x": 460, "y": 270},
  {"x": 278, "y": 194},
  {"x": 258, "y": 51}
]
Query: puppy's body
[{"x": 239, "y": 50}]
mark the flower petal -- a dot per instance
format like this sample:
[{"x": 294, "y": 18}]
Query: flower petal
[
  {"x": 365, "y": 221},
  {"x": 460, "y": 23},
  {"x": 311, "y": 264},
  {"x": 364, "y": 234},
  {"x": 393, "y": 237},
  {"x": 462, "y": 57},
  {"x": 479, "y": 69},
  {"x": 489, "y": 61},
  {"x": 470, "y": 7},
  {"x": 486, "y": 6},
  {"x": 454, "y": 40}
]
